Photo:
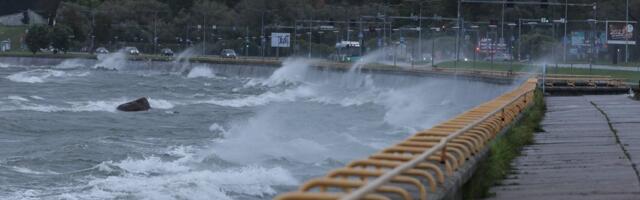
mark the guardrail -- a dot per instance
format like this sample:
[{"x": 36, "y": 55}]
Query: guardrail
[{"x": 426, "y": 158}]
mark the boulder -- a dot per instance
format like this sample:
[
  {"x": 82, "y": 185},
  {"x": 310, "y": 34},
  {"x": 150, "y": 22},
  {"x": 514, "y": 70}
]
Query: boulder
[{"x": 140, "y": 104}]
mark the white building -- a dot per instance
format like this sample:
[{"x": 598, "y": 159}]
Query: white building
[{"x": 16, "y": 19}]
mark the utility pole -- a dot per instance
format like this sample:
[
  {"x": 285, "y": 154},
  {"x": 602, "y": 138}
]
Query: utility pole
[
  {"x": 420, "y": 33},
  {"x": 626, "y": 42},
  {"x": 565, "y": 40},
  {"x": 458, "y": 33},
  {"x": 502, "y": 24},
  {"x": 519, "y": 38},
  {"x": 204, "y": 35},
  {"x": 310, "y": 33}
]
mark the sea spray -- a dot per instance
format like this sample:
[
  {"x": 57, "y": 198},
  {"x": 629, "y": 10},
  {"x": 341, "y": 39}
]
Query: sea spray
[
  {"x": 183, "y": 58},
  {"x": 70, "y": 64},
  {"x": 201, "y": 71},
  {"x": 112, "y": 61},
  {"x": 293, "y": 70}
]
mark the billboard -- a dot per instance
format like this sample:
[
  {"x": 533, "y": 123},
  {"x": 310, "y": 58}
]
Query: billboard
[
  {"x": 280, "y": 39},
  {"x": 620, "y": 33},
  {"x": 487, "y": 45}
]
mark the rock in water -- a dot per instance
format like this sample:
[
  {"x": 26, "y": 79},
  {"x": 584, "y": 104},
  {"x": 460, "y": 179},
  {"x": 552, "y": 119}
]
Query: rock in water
[{"x": 140, "y": 104}]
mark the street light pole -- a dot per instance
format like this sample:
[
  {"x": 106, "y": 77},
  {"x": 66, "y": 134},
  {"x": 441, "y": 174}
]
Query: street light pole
[
  {"x": 626, "y": 42},
  {"x": 420, "y": 32},
  {"x": 565, "y": 39},
  {"x": 519, "y": 38},
  {"x": 459, "y": 32},
  {"x": 204, "y": 35}
]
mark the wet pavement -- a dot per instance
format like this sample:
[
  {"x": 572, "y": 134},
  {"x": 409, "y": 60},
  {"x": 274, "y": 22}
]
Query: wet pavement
[{"x": 580, "y": 156}]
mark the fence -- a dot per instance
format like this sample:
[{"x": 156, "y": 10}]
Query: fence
[{"x": 429, "y": 156}]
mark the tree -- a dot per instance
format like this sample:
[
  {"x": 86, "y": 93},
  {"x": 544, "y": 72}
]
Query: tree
[
  {"x": 25, "y": 17},
  {"x": 37, "y": 38},
  {"x": 59, "y": 37}
]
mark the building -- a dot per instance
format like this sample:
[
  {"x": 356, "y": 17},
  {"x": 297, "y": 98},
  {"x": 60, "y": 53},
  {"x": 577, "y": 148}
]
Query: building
[
  {"x": 18, "y": 19},
  {"x": 21, "y": 12},
  {"x": 5, "y": 45}
]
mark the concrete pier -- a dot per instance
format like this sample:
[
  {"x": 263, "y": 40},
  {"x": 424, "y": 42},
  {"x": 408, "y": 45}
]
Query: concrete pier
[{"x": 589, "y": 150}]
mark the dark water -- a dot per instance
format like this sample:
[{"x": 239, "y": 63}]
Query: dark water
[{"x": 211, "y": 134}]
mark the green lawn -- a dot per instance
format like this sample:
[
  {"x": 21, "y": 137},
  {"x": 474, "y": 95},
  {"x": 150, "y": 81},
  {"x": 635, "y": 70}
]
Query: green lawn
[
  {"x": 629, "y": 76},
  {"x": 14, "y": 33}
]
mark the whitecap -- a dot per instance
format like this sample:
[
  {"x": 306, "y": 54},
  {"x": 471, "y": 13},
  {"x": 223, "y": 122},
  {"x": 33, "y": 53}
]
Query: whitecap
[
  {"x": 201, "y": 72},
  {"x": 42, "y": 75},
  {"x": 160, "y": 103},
  {"x": 287, "y": 95},
  {"x": 16, "y": 98}
]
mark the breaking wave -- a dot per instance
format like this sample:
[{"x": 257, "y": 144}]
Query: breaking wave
[
  {"x": 201, "y": 71},
  {"x": 182, "y": 177},
  {"x": 24, "y": 104},
  {"x": 42, "y": 75}
]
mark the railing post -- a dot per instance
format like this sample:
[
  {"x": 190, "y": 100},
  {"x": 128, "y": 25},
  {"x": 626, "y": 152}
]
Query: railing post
[{"x": 443, "y": 154}]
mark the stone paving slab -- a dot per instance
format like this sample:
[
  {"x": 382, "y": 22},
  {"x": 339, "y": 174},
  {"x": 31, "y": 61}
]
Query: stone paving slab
[{"x": 578, "y": 157}]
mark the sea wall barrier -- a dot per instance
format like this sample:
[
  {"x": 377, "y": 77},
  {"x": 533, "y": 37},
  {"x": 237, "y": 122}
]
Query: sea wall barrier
[
  {"x": 498, "y": 77},
  {"x": 432, "y": 163}
]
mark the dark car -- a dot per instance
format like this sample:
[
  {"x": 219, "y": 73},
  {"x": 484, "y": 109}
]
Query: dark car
[
  {"x": 102, "y": 50},
  {"x": 228, "y": 53},
  {"x": 166, "y": 52}
]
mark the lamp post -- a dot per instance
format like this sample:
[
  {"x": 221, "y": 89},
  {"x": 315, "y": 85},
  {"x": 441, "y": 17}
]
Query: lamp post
[
  {"x": 433, "y": 45},
  {"x": 626, "y": 42},
  {"x": 475, "y": 50}
]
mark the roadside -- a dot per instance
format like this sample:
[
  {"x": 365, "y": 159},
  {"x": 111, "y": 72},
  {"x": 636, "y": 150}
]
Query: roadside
[{"x": 496, "y": 166}]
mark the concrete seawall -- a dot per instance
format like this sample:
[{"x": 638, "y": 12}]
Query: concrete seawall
[{"x": 230, "y": 66}]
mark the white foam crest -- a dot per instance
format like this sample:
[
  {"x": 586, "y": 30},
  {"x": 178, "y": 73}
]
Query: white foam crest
[
  {"x": 160, "y": 103},
  {"x": 200, "y": 184},
  {"x": 35, "y": 76},
  {"x": 92, "y": 106},
  {"x": 155, "y": 178},
  {"x": 37, "y": 97},
  {"x": 201, "y": 71},
  {"x": 80, "y": 106},
  {"x": 16, "y": 98},
  {"x": 4, "y": 65},
  {"x": 25, "y": 170},
  {"x": 112, "y": 61},
  {"x": 42, "y": 75},
  {"x": 287, "y": 95}
]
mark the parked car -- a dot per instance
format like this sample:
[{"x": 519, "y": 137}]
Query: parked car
[
  {"x": 166, "y": 52},
  {"x": 228, "y": 53},
  {"x": 132, "y": 51},
  {"x": 102, "y": 50}
]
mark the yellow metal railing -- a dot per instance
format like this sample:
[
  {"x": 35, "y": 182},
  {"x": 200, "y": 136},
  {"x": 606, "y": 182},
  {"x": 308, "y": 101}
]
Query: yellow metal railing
[{"x": 423, "y": 160}]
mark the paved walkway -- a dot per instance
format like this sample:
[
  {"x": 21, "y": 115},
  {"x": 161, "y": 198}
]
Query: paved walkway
[
  {"x": 605, "y": 67},
  {"x": 578, "y": 156}
]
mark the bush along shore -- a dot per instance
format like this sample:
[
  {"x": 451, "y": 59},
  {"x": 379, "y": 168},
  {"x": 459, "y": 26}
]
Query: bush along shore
[{"x": 497, "y": 165}]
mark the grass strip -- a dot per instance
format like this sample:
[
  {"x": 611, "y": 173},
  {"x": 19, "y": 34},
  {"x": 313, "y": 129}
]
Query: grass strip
[{"x": 492, "y": 170}]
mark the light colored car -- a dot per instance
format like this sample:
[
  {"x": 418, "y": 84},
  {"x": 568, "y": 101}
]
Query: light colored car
[
  {"x": 132, "y": 51},
  {"x": 228, "y": 53},
  {"x": 102, "y": 50}
]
